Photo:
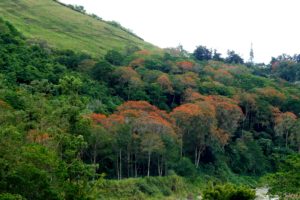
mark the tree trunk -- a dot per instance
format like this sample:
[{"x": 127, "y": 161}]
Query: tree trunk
[
  {"x": 181, "y": 146},
  {"x": 149, "y": 160},
  {"x": 118, "y": 172},
  {"x": 198, "y": 159},
  {"x": 94, "y": 161},
  {"x": 286, "y": 139},
  {"x": 128, "y": 164},
  {"x": 166, "y": 167},
  {"x": 286, "y": 145},
  {"x": 160, "y": 166},
  {"x": 195, "y": 156},
  {"x": 173, "y": 99},
  {"x": 198, "y": 152},
  {"x": 129, "y": 91},
  {"x": 120, "y": 163},
  {"x": 135, "y": 165},
  {"x": 94, "y": 158}
]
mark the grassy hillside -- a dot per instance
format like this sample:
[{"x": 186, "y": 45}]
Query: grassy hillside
[{"x": 65, "y": 28}]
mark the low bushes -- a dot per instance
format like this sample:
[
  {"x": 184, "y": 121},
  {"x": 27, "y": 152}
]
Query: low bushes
[
  {"x": 142, "y": 188},
  {"x": 228, "y": 192}
]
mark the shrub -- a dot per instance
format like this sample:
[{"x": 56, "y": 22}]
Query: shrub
[
  {"x": 228, "y": 192},
  {"x": 8, "y": 196},
  {"x": 286, "y": 180},
  {"x": 185, "y": 168},
  {"x": 114, "y": 57}
]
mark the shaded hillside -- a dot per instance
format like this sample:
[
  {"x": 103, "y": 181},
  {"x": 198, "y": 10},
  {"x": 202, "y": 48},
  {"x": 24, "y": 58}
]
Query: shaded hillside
[{"x": 64, "y": 28}]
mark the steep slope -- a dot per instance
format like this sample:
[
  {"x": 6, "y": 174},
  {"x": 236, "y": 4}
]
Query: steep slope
[{"x": 65, "y": 28}]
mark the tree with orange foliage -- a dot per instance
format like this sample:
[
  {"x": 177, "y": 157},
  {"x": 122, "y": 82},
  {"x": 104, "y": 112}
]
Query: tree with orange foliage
[
  {"x": 150, "y": 143},
  {"x": 183, "y": 116},
  {"x": 97, "y": 140},
  {"x": 284, "y": 123},
  {"x": 165, "y": 83},
  {"x": 150, "y": 124},
  {"x": 272, "y": 95},
  {"x": 97, "y": 118},
  {"x": 37, "y": 136},
  {"x": 196, "y": 123},
  {"x": 228, "y": 113},
  {"x": 128, "y": 81},
  {"x": 248, "y": 102},
  {"x": 185, "y": 65},
  {"x": 191, "y": 96},
  {"x": 138, "y": 62},
  {"x": 184, "y": 81},
  {"x": 295, "y": 137},
  {"x": 146, "y": 125},
  {"x": 228, "y": 116}
]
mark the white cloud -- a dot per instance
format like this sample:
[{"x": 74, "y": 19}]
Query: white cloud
[{"x": 272, "y": 25}]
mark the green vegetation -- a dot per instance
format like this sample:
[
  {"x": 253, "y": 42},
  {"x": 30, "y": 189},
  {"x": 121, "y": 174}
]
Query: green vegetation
[
  {"x": 229, "y": 192},
  {"x": 143, "y": 188},
  {"x": 141, "y": 124},
  {"x": 286, "y": 180},
  {"x": 50, "y": 23}
]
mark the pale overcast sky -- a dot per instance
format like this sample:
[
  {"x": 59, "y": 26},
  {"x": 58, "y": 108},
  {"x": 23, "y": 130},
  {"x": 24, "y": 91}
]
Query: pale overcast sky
[{"x": 271, "y": 25}]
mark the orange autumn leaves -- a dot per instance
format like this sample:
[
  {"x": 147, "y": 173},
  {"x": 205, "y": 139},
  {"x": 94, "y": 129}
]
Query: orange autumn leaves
[
  {"x": 37, "y": 136},
  {"x": 198, "y": 123},
  {"x": 220, "y": 115},
  {"x": 211, "y": 116},
  {"x": 185, "y": 65},
  {"x": 285, "y": 124},
  {"x": 165, "y": 83},
  {"x": 142, "y": 117}
]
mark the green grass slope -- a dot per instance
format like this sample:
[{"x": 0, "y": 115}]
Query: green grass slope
[{"x": 65, "y": 28}]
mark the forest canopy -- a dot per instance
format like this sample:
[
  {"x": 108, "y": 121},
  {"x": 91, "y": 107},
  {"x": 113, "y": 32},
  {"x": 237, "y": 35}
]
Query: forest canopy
[{"x": 68, "y": 119}]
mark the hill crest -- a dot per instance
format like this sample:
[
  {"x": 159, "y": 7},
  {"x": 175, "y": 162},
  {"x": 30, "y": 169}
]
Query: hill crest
[{"x": 64, "y": 28}]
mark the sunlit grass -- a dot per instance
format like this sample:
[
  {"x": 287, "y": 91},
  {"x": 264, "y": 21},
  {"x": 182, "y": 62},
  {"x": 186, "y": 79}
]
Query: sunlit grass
[{"x": 64, "y": 28}]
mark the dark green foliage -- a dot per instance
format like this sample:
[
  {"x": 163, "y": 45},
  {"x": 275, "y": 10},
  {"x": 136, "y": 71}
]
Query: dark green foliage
[
  {"x": 247, "y": 157},
  {"x": 217, "y": 56},
  {"x": 203, "y": 53},
  {"x": 249, "y": 81},
  {"x": 211, "y": 88},
  {"x": 157, "y": 96},
  {"x": 157, "y": 64},
  {"x": 114, "y": 57},
  {"x": 287, "y": 179},
  {"x": 292, "y": 105},
  {"x": 102, "y": 71},
  {"x": 228, "y": 192},
  {"x": 233, "y": 58},
  {"x": 184, "y": 167},
  {"x": 286, "y": 67},
  {"x": 70, "y": 59},
  {"x": 77, "y": 8},
  {"x": 23, "y": 63}
]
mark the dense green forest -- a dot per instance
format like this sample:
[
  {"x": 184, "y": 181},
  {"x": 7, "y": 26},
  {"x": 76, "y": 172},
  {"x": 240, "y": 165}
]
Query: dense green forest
[{"x": 144, "y": 123}]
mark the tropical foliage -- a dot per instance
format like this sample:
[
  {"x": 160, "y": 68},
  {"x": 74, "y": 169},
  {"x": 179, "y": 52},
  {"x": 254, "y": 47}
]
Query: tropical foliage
[{"x": 71, "y": 123}]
